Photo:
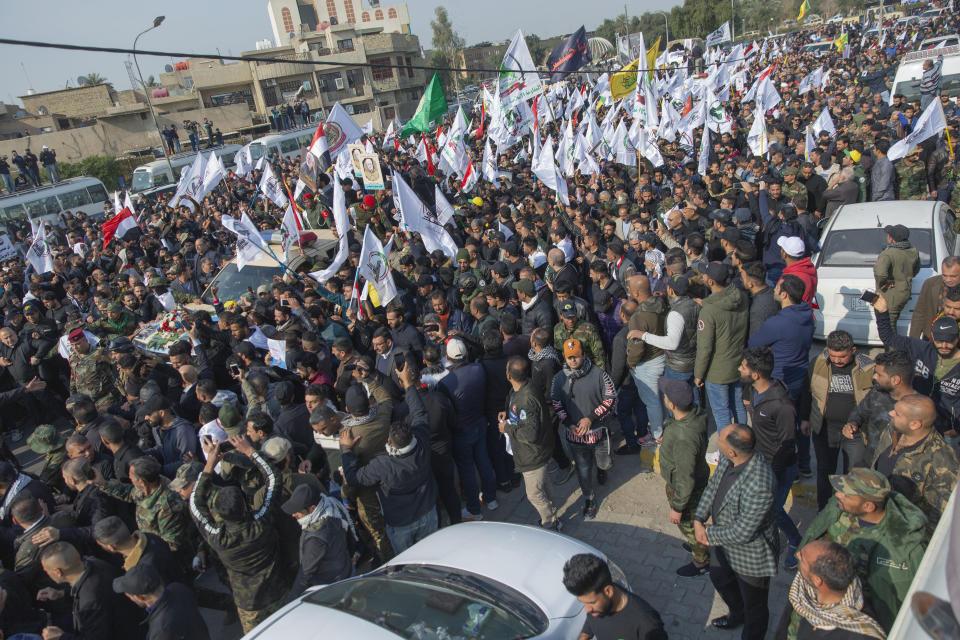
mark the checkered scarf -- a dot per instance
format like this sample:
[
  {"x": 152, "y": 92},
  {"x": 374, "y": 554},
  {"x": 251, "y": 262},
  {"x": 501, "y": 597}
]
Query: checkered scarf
[{"x": 846, "y": 614}]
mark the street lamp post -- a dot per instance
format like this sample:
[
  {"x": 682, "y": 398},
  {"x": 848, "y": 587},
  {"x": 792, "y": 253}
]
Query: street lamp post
[
  {"x": 156, "y": 23},
  {"x": 666, "y": 28}
]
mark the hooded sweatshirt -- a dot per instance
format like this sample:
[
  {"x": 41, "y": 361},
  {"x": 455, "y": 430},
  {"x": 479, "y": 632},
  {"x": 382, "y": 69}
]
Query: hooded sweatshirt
[{"x": 804, "y": 270}]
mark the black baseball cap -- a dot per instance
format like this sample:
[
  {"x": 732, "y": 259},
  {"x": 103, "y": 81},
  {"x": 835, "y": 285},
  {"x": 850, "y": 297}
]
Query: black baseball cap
[
  {"x": 302, "y": 498},
  {"x": 715, "y": 271},
  {"x": 140, "y": 580}
]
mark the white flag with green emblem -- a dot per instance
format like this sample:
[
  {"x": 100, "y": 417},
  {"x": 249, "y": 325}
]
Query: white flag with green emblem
[
  {"x": 375, "y": 268},
  {"x": 518, "y": 79}
]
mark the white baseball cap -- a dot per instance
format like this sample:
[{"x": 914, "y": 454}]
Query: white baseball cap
[
  {"x": 456, "y": 349},
  {"x": 792, "y": 246}
]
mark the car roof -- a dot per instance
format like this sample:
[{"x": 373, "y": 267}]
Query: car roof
[
  {"x": 501, "y": 551},
  {"x": 913, "y": 214},
  {"x": 302, "y": 620}
]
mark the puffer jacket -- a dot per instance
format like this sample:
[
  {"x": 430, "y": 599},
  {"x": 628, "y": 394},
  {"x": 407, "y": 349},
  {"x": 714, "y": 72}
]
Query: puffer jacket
[
  {"x": 721, "y": 336},
  {"x": 539, "y": 314},
  {"x": 814, "y": 397},
  {"x": 529, "y": 428},
  {"x": 651, "y": 316},
  {"x": 685, "y": 355}
]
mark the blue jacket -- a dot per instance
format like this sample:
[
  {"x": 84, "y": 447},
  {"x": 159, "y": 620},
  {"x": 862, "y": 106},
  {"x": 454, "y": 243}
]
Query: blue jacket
[
  {"x": 789, "y": 334},
  {"x": 467, "y": 387}
]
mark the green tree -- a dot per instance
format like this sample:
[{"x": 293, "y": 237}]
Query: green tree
[
  {"x": 538, "y": 51},
  {"x": 95, "y": 78},
  {"x": 104, "y": 168},
  {"x": 152, "y": 82},
  {"x": 447, "y": 42}
]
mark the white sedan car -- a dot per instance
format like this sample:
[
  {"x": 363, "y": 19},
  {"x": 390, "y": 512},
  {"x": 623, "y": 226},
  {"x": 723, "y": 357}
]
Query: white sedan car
[
  {"x": 851, "y": 241},
  {"x": 493, "y": 580}
]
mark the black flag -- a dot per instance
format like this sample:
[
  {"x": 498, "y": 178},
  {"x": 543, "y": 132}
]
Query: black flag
[{"x": 570, "y": 55}]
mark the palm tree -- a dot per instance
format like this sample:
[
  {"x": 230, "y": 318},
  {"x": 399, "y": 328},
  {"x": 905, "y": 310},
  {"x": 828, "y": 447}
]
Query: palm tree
[
  {"x": 152, "y": 82},
  {"x": 94, "y": 78}
]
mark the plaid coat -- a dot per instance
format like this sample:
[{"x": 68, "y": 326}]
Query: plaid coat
[{"x": 746, "y": 523}]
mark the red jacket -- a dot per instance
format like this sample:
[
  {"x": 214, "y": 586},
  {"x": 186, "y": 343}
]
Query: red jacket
[{"x": 804, "y": 270}]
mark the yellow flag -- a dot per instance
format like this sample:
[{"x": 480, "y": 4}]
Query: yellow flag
[
  {"x": 841, "y": 42},
  {"x": 624, "y": 81},
  {"x": 653, "y": 53},
  {"x": 804, "y": 9}
]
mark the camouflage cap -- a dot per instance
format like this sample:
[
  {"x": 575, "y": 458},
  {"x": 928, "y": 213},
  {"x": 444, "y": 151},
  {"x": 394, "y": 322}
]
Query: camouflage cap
[
  {"x": 158, "y": 282},
  {"x": 862, "y": 482},
  {"x": 276, "y": 449},
  {"x": 230, "y": 419},
  {"x": 187, "y": 474},
  {"x": 44, "y": 439},
  {"x": 114, "y": 307},
  {"x": 791, "y": 171}
]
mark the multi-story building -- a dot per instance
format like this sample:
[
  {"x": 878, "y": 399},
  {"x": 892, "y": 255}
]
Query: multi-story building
[{"x": 299, "y": 17}]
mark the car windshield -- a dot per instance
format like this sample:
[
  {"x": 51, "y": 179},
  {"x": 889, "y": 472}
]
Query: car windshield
[
  {"x": 860, "y": 247},
  {"x": 416, "y": 601},
  {"x": 231, "y": 284},
  {"x": 141, "y": 181}
]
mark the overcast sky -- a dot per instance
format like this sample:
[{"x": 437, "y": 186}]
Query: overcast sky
[{"x": 233, "y": 27}]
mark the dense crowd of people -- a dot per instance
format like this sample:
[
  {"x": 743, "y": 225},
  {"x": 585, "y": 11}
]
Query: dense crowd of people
[{"x": 661, "y": 306}]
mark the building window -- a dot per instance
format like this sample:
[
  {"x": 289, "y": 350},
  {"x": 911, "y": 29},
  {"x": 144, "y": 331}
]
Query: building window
[
  {"x": 328, "y": 81},
  {"x": 332, "y": 9},
  {"x": 351, "y": 16},
  {"x": 378, "y": 15},
  {"x": 345, "y": 45},
  {"x": 389, "y": 113},
  {"x": 355, "y": 78},
  {"x": 287, "y": 20},
  {"x": 363, "y": 107},
  {"x": 392, "y": 13},
  {"x": 409, "y": 67},
  {"x": 381, "y": 72},
  {"x": 365, "y": 16},
  {"x": 399, "y": 66}
]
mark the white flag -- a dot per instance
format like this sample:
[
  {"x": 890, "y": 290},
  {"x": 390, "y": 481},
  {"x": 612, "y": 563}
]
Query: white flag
[
  {"x": 490, "y": 171},
  {"x": 271, "y": 189},
  {"x": 191, "y": 183},
  {"x": 291, "y": 232},
  {"x": 824, "y": 123},
  {"x": 242, "y": 162},
  {"x": 809, "y": 144},
  {"x": 721, "y": 35},
  {"x": 418, "y": 218},
  {"x": 38, "y": 255},
  {"x": 703, "y": 162},
  {"x": 757, "y": 138},
  {"x": 444, "y": 208},
  {"x": 930, "y": 123},
  {"x": 212, "y": 175},
  {"x": 513, "y": 85},
  {"x": 811, "y": 80},
  {"x": 249, "y": 244},
  {"x": 340, "y": 130},
  {"x": 117, "y": 207},
  {"x": 375, "y": 268},
  {"x": 342, "y": 222}
]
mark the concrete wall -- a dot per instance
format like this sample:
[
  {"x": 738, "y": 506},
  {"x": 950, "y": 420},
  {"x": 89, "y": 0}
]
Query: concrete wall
[
  {"x": 74, "y": 103},
  {"x": 114, "y": 136}
]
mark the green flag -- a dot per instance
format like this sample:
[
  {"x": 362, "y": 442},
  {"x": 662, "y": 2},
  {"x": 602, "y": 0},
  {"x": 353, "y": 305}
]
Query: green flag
[{"x": 432, "y": 107}]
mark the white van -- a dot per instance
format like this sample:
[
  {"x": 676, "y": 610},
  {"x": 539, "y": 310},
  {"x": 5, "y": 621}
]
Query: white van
[
  {"x": 48, "y": 201},
  {"x": 157, "y": 173},
  {"x": 907, "y": 79},
  {"x": 286, "y": 145},
  {"x": 818, "y": 48}
]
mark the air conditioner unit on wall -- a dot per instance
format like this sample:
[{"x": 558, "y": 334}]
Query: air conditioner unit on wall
[
  {"x": 348, "y": 108},
  {"x": 270, "y": 82},
  {"x": 339, "y": 83},
  {"x": 307, "y": 85}
]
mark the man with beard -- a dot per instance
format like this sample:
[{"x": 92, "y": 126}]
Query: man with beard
[
  {"x": 612, "y": 612},
  {"x": 884, "y": 532}
]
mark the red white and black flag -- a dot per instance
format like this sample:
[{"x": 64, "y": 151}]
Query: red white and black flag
[{"x": 570, "y": 55}]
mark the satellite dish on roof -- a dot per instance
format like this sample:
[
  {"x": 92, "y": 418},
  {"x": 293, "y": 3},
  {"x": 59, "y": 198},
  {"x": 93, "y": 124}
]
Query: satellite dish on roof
[
  {"x": 168, "y": 68},
  {"x": 291, "y": 35},
  {"x": 81, "y": 80}
]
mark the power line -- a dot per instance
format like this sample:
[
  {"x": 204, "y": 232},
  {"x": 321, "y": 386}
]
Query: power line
[{"x": 209, "y": 56}]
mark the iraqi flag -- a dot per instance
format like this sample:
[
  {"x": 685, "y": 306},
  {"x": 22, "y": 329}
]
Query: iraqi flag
[
  {"x": 320, "y": 149},
  {"x": 118, "y": 225}
]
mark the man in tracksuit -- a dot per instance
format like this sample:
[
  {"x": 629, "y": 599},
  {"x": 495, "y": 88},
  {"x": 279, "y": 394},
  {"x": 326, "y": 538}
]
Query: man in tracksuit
[
  {"x": 585, "y": 401},
  {"x": 936, "y": 364},
  {"x": 405, "y": 485},
  {"x": 773, "y": 418}
]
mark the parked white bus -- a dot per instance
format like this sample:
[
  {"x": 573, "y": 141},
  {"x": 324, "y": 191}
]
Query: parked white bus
[
  {"x": 157, "y": 173},
  {"x": 286, "y": 145},
  {"x": 48, "y": 201}
]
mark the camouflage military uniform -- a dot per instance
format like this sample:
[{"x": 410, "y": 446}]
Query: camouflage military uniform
[
  {"x": 162, "y": 513},
  {"x": 666, "y": 204},
  {"x": 913, "y": 180},
  {"x": 588, "y": 336},
  {"x": 92, "y": 375},
  {"x": 46, "y": 441},
  {"x": 860, "y": 177},
  {"x": 872, "y": 417},
  {"x": 926, "y": 473},
  {"x": 789, "y": 190},
  {"x": 108, "y": 329}
]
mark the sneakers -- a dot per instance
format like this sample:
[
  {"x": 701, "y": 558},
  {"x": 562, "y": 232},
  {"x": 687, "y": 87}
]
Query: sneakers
[
  {"x": 806, "y": 473},
  {"x": 505, "y": 487},
  {"x": 713, "y": 459},
  {"x": 466, "y": 516},
  {"x": 601, "y": 477},
  {"x": 790, "y": 560},
  {"x": 589, "y": 510},
  {"x": 628, "y": 450},
  {"x": 563, "y": 475},
  {"x": 649, "y": 441},
  {"x": 493, "y": 505},
  {"x": 556, "y": 526},
  {"x": 692, "y": 570}
]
